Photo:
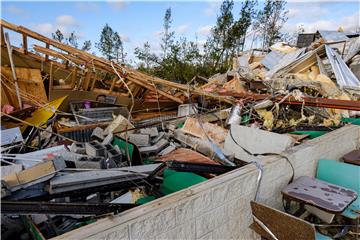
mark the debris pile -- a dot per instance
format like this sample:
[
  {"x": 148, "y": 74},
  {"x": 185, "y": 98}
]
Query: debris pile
[{"x": 83, "y": 137}]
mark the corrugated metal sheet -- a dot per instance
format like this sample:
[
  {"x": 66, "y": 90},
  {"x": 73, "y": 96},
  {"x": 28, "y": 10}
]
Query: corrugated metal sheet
[
  {"x": 272, "y": 59},
  {"x": 285, "y": 61},
  {"x": 333, "y": 36},
  {"x": 344, "y": 76}
]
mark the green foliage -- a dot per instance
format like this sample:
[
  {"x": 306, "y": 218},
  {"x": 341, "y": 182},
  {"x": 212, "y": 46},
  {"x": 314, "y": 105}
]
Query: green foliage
[
  {"x": 106, "y": 44},
  {"x": 168, "y": 35},
  {"x": 58, "y": 36},
  {"x": 72, "y": 40},
  {"x": 181, "y": 60},
  {"x": 270, "y": 20},
  {"x": 86, "y": 45},
  {"x": 111, "y": 45}
]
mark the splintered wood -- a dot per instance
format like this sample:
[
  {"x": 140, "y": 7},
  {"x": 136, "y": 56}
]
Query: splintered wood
[{"x": 215, "y": 132}]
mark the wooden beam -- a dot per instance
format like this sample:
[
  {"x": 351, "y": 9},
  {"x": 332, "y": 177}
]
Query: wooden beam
[
  {"x": 25, "y": 45},
  {"x": 47, "y": 56},
  {"x": 51, "y": 79},
  {"x": 9, "y": 50},
  {"x": 73, "y": 78},
  {"x": 2, "y": 36},
  {"x": 87, "y": 80},
  {"x": 94, "y": 81},
  {"x": 138, "y": 81},
  {"x": 136, "y": 76},
  {"x": 113, "y": 84}
]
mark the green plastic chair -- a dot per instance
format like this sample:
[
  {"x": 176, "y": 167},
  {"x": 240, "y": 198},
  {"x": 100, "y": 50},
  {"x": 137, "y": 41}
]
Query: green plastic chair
[
  {"x": 175, "y": 181},
  {"x": 342, "y": 174}
]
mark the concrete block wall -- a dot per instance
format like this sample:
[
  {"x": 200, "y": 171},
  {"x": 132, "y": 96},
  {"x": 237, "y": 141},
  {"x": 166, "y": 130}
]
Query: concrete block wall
[{"x": 220, "y": 207}]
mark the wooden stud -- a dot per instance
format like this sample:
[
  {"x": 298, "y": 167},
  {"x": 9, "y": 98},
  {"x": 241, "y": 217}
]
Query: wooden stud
[
  {"x": 94, "y": 81},
  {"x": 51, "y": 80},
  {"x": 2, "y": 36},
  {"x": 87, "y": 80},
  {"x": 73, "y": 78},
  {"x": 9, "y": 49},
  {"x": 113, "y": 84},
  {"x": 47, "y": 56},
  {"x": 25, "y": 45}
]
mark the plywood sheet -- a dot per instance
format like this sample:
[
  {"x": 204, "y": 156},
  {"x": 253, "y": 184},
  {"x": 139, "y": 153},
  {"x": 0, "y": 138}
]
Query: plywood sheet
[
  {"x": 215, "y": 132},
  {"x": 30, "y": 82},
  {"x": 282, "y": 225},
  {"x": 186, "y": 155}
]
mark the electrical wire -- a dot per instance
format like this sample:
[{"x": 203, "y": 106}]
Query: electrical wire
[{"x": 265, "y": 154}]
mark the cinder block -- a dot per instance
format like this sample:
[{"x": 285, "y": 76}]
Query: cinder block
[
  {"x": 97, "y": 134},
  {"x": 153, "y": 225},
  {"x": 185, "y": 231},
  {"x": 140, "y": 139},
  {"x": 108, "y": 139},
  {"x": 95, "y": 149},
  {"x": 158, "y": 137},
  {"x": 187, "y": 109},
  {"x": 153, "y": 132},
  {"x": 119, "y": 233},
  {"x": 78, "y": 148},
  {"x": 112, "y": 154},
  {"x": 155, "y": 148},
  {"x": 167, "y": 150}
]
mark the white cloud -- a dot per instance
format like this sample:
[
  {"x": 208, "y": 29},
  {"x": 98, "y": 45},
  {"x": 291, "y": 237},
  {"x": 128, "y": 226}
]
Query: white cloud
[
  {"x": 65, "y": 23},
  {"x": 14, "y": 10},
  {"x": 44, "y": 28},
  {"x": 66, "y": 20},
  {"x": 348, "y": 23},
  {"x": 352, "y": 22},
  {"x": 307, "y": 11},
  {"x": 117, "y": 4},
  {"x": 212, "y": 8},
  {"x": 87, "y": 6},
  {"x": 204, "y": 30},
  {"x": 182, "y": 29},
  {"x": 125, "y": 38}
]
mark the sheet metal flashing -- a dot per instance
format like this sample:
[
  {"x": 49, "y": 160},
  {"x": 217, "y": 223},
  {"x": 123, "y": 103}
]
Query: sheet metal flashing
[{"x": 344, "y": 76}]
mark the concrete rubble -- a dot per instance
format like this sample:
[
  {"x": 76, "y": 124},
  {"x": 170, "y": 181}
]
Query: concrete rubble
[{"x": 75, "y": 158}]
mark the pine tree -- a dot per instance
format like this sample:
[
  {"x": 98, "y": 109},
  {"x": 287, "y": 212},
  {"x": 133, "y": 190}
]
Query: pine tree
[
  {"x": 241, "y": 26},
  {"x": 72, "y": 40},
  {"x": 118, "y": 48},
  {"x": 58, "y": 36},
  {"x": 168, "y": 35},
  {"x": 220, "y": 42},
  {"x": 106, "y": 44},
  {"x": 270, "y": 20},
  {"x": 86, "y": 45}
]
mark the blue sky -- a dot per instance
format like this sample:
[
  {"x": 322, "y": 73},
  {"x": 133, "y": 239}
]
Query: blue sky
[{"x": 140, "y": 21}]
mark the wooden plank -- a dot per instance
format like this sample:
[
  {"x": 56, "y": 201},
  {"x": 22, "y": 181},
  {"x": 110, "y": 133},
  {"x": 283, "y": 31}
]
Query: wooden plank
[
  {"x": 51, "y": 79},
  {"x": 14, "y": 76},
  {"x": 213, "y": 131},
  {"x": 73, "y": 78},
  {"x": 113, "y": 83},
  {"x": 2, "y": 36},
  {"x": 139, "y": 78},
  {"x": 30, "y": 174},
  {"x": 94, "y": 80},
  {"x": 7, "y": 96},
  {"x": 283, "y": 225},
  {"x": 25, "y": 45},
  {"x": 87, "y": 80},
  {"x": 46, "y": 55},
  {"x": 34, "y": 86}
]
